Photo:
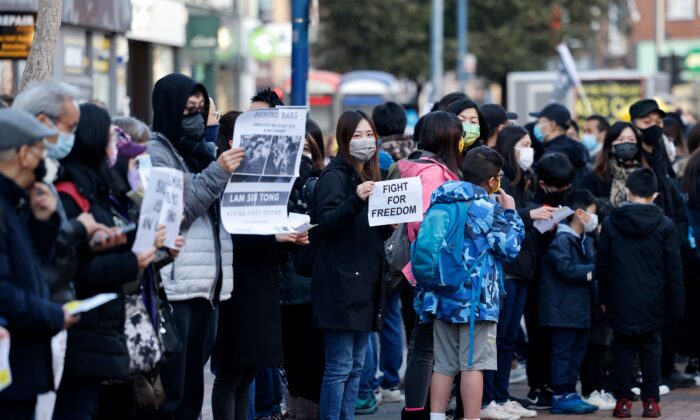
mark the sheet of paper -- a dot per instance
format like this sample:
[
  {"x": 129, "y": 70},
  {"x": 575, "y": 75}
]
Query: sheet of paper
[
  {"x": 5, "y": 372},
  {"x": 300, "y": 223},
  {"x": 162, "y": 204},
  {"x": 76, "y": 307},
  {"x": 559, "y": 214},
  {"x": 397, "y": 201}
]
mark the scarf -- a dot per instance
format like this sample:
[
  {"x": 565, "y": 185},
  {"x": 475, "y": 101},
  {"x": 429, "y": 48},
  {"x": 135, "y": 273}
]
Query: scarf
[{"x": 619, "y": 175}]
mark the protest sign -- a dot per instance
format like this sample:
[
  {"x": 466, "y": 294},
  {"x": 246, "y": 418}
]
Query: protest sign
[
  {"x": 162, "y": 204},
  {"x": 255, "y": 199},
  {"x": 559, "y": 214},
  {"x": 5, "y": 372},
  {"x": 398, "y": 201}
]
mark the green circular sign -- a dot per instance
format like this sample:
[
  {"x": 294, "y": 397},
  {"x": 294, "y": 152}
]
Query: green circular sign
[
  {"x": 692, "y": 60},
  {"x": 262, "y": 44}
]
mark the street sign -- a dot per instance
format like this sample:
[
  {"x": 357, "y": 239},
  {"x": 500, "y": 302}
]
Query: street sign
[
  {"x": 692, "y": 61},
  {"x": 16, "y": 34}
]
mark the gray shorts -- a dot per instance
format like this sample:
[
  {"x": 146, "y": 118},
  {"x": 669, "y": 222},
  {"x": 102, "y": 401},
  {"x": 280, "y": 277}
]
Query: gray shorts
[{"x": 451, "y": 343}]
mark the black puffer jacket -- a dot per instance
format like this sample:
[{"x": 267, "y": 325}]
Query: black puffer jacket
[
  {"x": 524, "y": 266},
  {"x": 346, "y": 288},
  {"x": 639, "y": 269},
  {"x": 96, "y": 345}
]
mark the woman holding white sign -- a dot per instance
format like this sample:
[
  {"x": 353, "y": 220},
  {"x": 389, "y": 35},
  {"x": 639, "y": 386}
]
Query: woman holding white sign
[{"x": 346, "y": 288}]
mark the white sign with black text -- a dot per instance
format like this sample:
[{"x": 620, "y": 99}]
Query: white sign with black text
[
  {"x": 162, "y": 205},
  {"x": 398, "y": 201}
]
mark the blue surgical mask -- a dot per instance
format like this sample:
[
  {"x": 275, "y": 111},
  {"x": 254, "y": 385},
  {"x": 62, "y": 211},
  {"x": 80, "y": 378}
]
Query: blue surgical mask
[
  {"x": 538, "y": 133},
  {"x": 62, "y": 147},
  {"x": 211, "y": 133},
  {"x": 590, "y": 141}
]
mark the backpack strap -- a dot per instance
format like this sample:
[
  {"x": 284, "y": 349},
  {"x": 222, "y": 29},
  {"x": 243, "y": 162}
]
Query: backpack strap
[
  {"x": 71, "y": 190},
  {"x": 693, "y": 234}
]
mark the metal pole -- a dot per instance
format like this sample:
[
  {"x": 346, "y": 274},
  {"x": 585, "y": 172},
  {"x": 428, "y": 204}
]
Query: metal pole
[
  {"x": 300, "y": 51},
  {"x": 436, "y": 47},
  {"x": 462, "y": 42}
]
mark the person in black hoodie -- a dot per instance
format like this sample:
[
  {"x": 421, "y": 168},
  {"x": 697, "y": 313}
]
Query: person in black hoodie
[
  {"x": 648, "y": 118},
  {"x": 640, "y": 274},
  {"x": 515, "y": 145},
  {"x": 346, "y": 287},
  {"x": 96, "y": 348},
  {"x": 555, "y": 175},
  {"x": 552, "y": 123}
]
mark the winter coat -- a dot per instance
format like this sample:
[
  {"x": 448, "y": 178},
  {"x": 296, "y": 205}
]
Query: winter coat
[
  {"x": 598, "y": 187},
  {"x": 249, "y": 332},
  {"x": 639, "y": 269},
  {"x": 524, "y": 266},
  {"x": 574, "y": 150},
  {"x": 208, "y": 253},
  {"x": 97, "y": 345},
  {"x": 31, "y": 318},
  {"x": 346, "y": 288},
  {"x": 565, "y": 283},
  {"x": 491, "y": 231},
  {"x": 669, "y": 198}
]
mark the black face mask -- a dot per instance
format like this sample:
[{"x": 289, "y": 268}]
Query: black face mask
[
  {"x": 652, "y": 135},
  {"x": 193, "y": 125},
  {"x": 556, "y": 198},
  {"x": 40, "y": 171},
  {"x": 624, "y": 152}
]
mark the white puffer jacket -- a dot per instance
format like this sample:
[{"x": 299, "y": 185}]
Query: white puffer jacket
[{"x": 194, "y": 272}]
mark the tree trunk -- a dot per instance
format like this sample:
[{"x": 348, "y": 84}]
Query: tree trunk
[{"x": 40, "y": 61}]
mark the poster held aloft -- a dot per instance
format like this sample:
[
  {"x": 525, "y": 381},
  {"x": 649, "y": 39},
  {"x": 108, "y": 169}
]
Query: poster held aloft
[
  {"x": 162, "y": 205},
  {"x": 255, "y": 199},
  {"x": 398, "y": 201}
]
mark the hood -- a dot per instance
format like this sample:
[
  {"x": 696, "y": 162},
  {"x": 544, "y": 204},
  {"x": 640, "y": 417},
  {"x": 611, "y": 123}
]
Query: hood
[
  {"x": 636, "y": 220},
  {"x": 564, "y": 228},
  {"x": 454, "y": 191},
  {"x": 169, "y": 99}
]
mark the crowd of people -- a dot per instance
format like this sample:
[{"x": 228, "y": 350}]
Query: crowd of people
[{"x": 540, "y": 255}]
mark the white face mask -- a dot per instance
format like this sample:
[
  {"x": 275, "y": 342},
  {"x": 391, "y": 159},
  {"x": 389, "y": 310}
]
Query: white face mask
[
  {"x": 592, "y": 223},
  {"x": 670, "y": 148},
  {"x": 526, "y": 157},
  {"x": 363, "y": 149}
]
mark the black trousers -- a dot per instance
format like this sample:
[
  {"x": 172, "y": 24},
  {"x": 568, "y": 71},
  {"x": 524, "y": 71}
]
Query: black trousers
[
  {"x": 594, "y": 368},
  {"x": 408, "y": 314},
  {"x": 76, "y": 398},
  {"x": 183, "y": 375},
  {"x": 304, "y": 355},
  {"x": 648, "y": 347},
  {"x": 539, "y": 344},
  {"x": 17, "y": 409},
  {"x": 419, "y": 368},
  {"x": 229, "y": 397}
]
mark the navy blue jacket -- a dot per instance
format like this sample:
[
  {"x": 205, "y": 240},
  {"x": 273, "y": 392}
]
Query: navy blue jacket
[
  {"x": 565, "y": 291},
  {"x": 26, "y": 245}
]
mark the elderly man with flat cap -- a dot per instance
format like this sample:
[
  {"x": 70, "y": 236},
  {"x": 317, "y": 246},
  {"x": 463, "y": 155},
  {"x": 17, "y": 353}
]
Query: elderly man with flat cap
[{"x": 28, "y": 229}]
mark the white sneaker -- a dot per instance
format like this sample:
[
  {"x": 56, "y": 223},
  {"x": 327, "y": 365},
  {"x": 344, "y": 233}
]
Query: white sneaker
[
  {"x": 697, "y": 380},
  {"x": 664, "y": 389},
  {"x": 607, "y": 397},
  {"x": 514, "y": 408},
  {"x": 378, "y": 395},
  {"x": 496, "y": 412},
  {"x": 392, "y": 395},
  {"x": 519, "y": 374},
  {"x": 598, "y": 399},
  {"x": 636, "y": 391}
]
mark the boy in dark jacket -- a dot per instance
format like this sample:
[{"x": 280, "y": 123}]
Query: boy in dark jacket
[
  {"x": 640, "y": 274},
  {"x": 565, "y": 300}
]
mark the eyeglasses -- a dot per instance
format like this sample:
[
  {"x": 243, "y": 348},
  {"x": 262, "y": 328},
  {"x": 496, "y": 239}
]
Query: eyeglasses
[
  {"x": 217, "y": 115},
  {"x": 194, "y": 110}
]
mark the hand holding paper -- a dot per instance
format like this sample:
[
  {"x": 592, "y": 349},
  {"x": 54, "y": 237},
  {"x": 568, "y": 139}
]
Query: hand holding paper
[
  {"x": 559, "y": 214},
  {"x": 76, "y": 307}
]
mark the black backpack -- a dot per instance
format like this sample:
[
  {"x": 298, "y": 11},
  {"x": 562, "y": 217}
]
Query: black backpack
[{"x": 303, "y": 258}]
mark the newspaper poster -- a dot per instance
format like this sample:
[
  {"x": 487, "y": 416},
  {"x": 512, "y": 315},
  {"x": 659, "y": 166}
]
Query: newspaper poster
[
  {"x": 162, "y": 205},
  {"x": 397, "y": 201},
  {"x": 255, "y": 199}
]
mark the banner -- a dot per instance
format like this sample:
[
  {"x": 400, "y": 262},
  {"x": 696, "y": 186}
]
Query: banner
[
  {"x": 162, "y": 205},
  {"x": 609, "y": 97},
  {"x": 398, "y": 201},
  {"x": 255, "y": 199}
]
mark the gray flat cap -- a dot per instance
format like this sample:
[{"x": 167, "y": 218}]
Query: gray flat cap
[{"x": 18, "y": 128}]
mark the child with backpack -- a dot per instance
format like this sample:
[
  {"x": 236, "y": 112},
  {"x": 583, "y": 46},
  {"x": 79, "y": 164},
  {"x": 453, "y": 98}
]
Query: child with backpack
[
  {"x": 456, "y": 260},
  {"x": 565, "y": 300},
  {"x": 641, "y": 280}
]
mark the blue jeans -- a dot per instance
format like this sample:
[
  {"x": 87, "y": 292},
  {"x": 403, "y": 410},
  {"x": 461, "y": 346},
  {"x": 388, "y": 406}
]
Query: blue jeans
[
  {"x": 345, "y": 356},
  {"x": 268, "y": 392},
  {"x": 511, "y": 311},
  {"x": 368, "y": 381},
  {"x": 568, "y": 349},
  {"x": 391, "y": 354}
]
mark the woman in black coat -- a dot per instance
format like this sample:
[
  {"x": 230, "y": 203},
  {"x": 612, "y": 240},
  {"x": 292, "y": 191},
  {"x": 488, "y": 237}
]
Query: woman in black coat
[
  {"x": 96, "y": 349},
  {"x": 249, "y": 332},
  {"x": 346, "y": 286}
]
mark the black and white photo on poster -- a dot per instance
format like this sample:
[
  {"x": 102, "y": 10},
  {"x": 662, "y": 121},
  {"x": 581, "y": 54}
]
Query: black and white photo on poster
[{"x": 255, "y": 199}]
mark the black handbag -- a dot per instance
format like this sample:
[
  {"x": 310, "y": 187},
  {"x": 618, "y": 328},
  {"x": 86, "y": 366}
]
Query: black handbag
[{"x": 169, "y": 337}]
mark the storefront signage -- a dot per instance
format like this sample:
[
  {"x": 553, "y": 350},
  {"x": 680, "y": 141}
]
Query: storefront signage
[
  {"x": 16, "y": 34},
  {"x": 692, "y": 61}
]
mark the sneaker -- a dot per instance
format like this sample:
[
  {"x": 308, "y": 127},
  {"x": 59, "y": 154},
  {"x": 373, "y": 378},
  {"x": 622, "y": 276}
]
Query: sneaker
[
  {"x": 539, "y": 399},
  {"x": 392, "y": 395},
  {"x": 522, "y": 401},
  {"x": 637, "y": 391},
  {"x": 378, "y": 395},
  {"x": 367, "y": 405},
  {"x": 664, "y": 390},
  {"x": 607, "y": 397},
  {"x": 678, "y": 380},
  {"x": 519, "y": 374},
  {"x": 651, "y": 408},
  {"x": 697, "y": 380},
  {"x": 623, "y": 409},
  {"x": 496, "y": 411},
  {"x": 514, "y": 408},
  {"x": 596, "y": 398},
  {"x": 571, "y": 404}
]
